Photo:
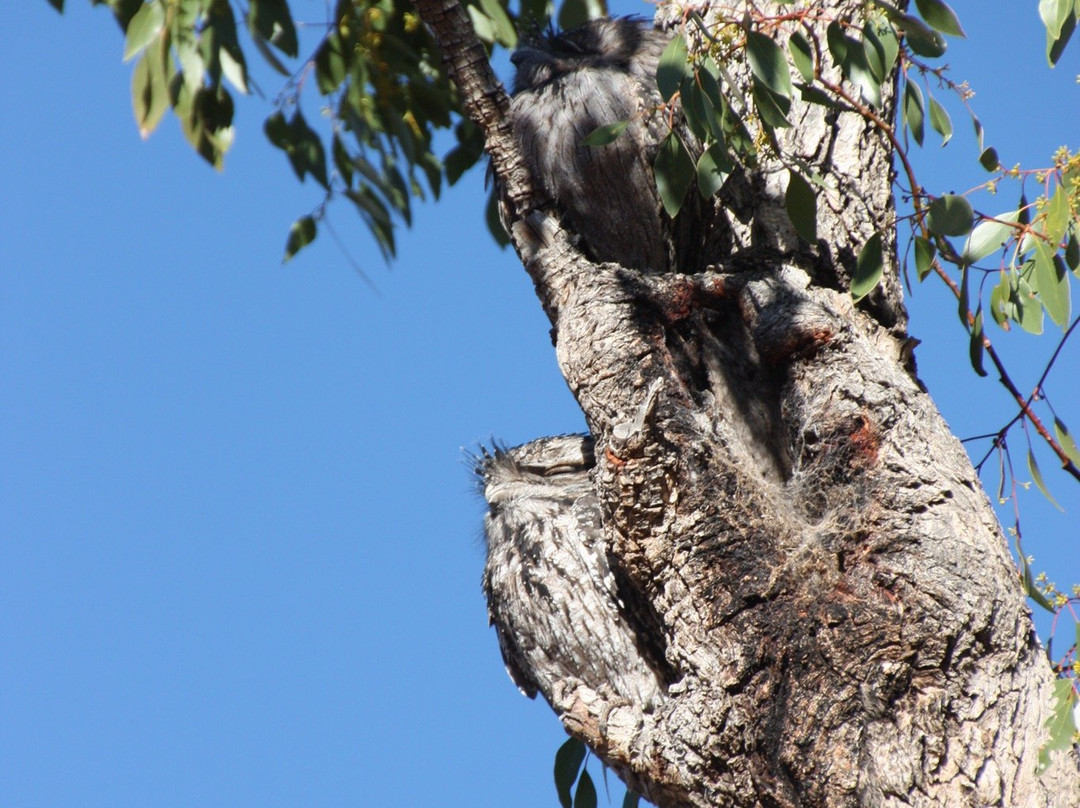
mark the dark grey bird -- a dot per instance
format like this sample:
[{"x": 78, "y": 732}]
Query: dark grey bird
[{"x": 568, "y": 84}]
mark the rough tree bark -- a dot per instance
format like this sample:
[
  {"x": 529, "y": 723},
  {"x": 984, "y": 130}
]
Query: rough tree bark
[{"x": 786, "y": 513}]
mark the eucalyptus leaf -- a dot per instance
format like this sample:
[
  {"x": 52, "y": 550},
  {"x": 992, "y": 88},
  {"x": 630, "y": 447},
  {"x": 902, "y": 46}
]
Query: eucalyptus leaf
[
  {"x": 869, "y": 267},
  {"x": 939, "y": 119},
  {"x": 1052, "y": 283},
  {"x": 585, "y": 794},
  {"x": 976, "y": 344},
  {"x": 989, "y": 236},
  {"x": 989, "y": 159},
  {"x": 568, "y": 760},
  {"x": 713, "y": 168},
  {"x": 802, "y": 55},
  {"x": 768, "y": 64},
  {"x": 271, "y": 21},
  {"x": 999, "y": 300},
  {"x": 301, "y": 234},
  {"x": 1056, "y": 46},
  {"x": 1036, "y": 476},
  {"x": 920, "y": 38},
  {"x": 1054, "y": 13},
  {"x": 1065, "y": 440},
  {"x": 950, "y": 215},
  {"x": 1057, "y": 214},
  {"x": 672, "y": 68},
  {"x": 147, "y": 23},
  {"x": 771, "y": 107},
  {"x": 925, "y": 252},
  {"x": 1072, "y": 251},
  {"x": 913, "y": 110},
  {"x": 603, "y": 135},
  {"x": 675, "y": 171},
  {"x": 801, "y": 204},
  {"x": 940, "y": 17},
  {"x": 1029, "y": 311}
]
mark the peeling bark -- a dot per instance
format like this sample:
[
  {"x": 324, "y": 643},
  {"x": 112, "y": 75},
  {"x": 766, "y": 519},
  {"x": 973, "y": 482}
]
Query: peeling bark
[{"x": 785, "y": 512}]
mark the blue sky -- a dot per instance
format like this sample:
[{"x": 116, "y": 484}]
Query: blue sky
[{"x": 240, "y": 551}]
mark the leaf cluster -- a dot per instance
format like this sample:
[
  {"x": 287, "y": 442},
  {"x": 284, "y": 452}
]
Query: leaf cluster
[{"x": 574, "y": 784}]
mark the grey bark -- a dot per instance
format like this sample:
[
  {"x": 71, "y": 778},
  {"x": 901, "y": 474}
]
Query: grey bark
[{"x": 787, "y": 516}]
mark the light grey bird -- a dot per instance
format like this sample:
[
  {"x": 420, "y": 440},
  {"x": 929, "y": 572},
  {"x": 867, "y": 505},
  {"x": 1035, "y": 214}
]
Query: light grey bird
[{"x": 551, "y": 595}]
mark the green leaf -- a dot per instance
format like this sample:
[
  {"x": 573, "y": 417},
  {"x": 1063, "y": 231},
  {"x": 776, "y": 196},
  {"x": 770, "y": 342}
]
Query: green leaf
[
  {"x": 342, "y": 160},
  {"x": 585, "y": 796},
  {"x": 1036, "y": 476},
  {"x": 925, "y": 251},
  {"x": 881, "y": 37},
  {"x": 150, "y": 87},
  {"x": 1054, "y": 13},
  {"x": 57, "y": 4},
  {"x": 999, "y": 301},
  {"x": 704, "y": 120},
  {"x": 376, "y": 217},
  {"x": 675, "y": 170},
  {"x": 673, "y": 67},
  {"x": 950, "y": 215},
  {"x": 331, "y": 67},
  {"x": 837, "y": 43},
  {"x": 913, "y": 110},
  {"x": 631, "y": 798},
  {"x": 1032, "y": 590},
  {"x": 976, "y": 346},
  {"x": 301, "y": 234},
  {"x": 482, "y": 25},
  {"x": 707, "y": 74},
  {"x": 1052, "y": 283},
  {"x": 271, "y": 20},
  {"x": 300, "y": 143},
  {"x": 801, "y": 203},
  {"x": 568, "y": 762},
  {"x": 768, "y": 64},
  {"x": 1056, "y": 46},
  {"x": 504, "y": 28},
  {"x": 1072, "y": 252},
  {"x": 771, "y": 107},
  {"x": 869, "y": 267},
  {"x": 1057, "y": 217},
  {"x": 963, "y": 302},
  {"x": 1029, "y": 311},
  {"x": 143, "y": 27},
  {"x": 713, "y": 168},
  {"x": 989, "y": 236},
  {"x": 921, "y": 39},
  {"x": 940, "y": 17},
  {"x": 813, "y": 95},
  {"x": 1062, "y": 722},
  {"x": 939, "y": 119},
  {"x": 989, "y": 159},
  {"x": 603, "y": 135},
  {"x": 1068, "y": 445},
  {"x": 801, "y": 55}
]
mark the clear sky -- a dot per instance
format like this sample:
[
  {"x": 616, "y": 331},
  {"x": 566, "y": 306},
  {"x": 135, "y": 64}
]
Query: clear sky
[{"x": 239, "y": 550}]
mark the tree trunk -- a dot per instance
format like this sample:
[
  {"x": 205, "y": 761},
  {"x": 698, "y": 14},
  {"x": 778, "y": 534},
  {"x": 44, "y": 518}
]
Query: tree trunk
[{"x": 802, "y": 551}]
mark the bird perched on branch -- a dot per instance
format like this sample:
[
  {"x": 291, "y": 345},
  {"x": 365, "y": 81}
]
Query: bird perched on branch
[
  {"x": 570, "y": 83},
  {"x": 551, "y": 594}
]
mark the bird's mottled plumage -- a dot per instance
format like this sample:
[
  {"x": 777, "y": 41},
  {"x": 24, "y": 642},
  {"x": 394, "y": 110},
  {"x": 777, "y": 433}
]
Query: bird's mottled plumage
[
  {"x": 551, "y": 595},
  {"x": 567, "y": 85}
]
